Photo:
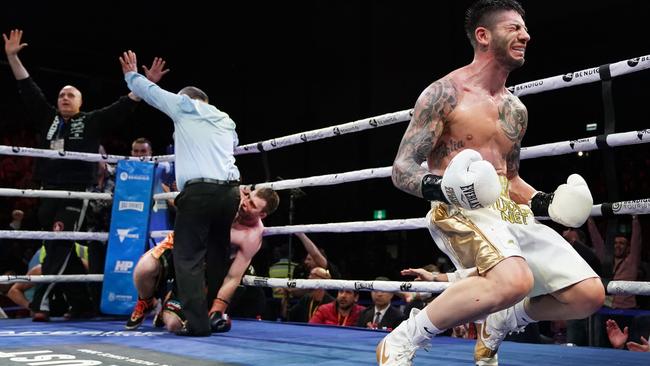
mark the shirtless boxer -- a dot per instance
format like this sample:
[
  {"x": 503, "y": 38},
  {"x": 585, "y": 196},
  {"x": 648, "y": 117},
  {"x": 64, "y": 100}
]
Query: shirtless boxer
[
  {"x": 156, "y": 266},
  {"x": 469, "y": 128}
]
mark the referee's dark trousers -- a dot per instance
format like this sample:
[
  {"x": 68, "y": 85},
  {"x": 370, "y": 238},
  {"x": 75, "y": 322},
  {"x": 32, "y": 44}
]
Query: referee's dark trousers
[{"x": 205, "y": 212}]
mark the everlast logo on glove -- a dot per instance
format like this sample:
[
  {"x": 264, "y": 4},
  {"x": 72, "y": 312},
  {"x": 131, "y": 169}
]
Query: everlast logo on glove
[
  {"x": 470, "y": 195},
  {"x": 472, "y": 180},
  {"x": 451, "y": 196}
]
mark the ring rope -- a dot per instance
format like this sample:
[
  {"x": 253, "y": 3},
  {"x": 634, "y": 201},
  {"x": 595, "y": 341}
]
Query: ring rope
[
  {"x": 51, "y": 278},
  {"x": 585, "y": 76},
  {"x": 613, "y": 287},
  {"x": 11, "y": 192},
  {"x": 326, "y": 132},
  {"x": 53, "y": 235},
  {"x": 616, "y": 287},
  {"x": 628, "y": 288},
  {"x": 68, "y": 155},
  {"x": 636, "y": 207},
  {"x": 387, "y": 286},
  {"x": 551, "y": 149}
]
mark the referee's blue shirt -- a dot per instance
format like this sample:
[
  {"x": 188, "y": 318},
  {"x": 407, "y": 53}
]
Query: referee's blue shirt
[{"x": 204, "y": 137}]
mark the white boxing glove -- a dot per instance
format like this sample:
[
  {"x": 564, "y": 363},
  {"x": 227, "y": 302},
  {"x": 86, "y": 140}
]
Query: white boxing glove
[
  {"x": 570, "y": 204},
  {"x": 470, "y": 182}
]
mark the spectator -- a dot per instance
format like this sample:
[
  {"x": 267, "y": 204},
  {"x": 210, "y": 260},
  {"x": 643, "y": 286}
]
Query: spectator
[
  {"x": 21, "y": 293},
  {"x": 65, "y": 127},
  {"x": 618, "y": 339},
  {"x": 305, "y": 308},
  {"x": 315, "y": 258},
  {"x": 344, "y": 311},
  {"x": 627, "y": 257},
  {"x": 382, "y": 315}
]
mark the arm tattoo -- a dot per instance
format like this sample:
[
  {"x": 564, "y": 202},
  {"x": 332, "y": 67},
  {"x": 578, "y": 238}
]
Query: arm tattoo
[
  {"x": 426, "y": 126},
  {"x": 512, "y": 160},
  {"x": 513, "y": 117},
  {"x": 445, "y": 148}
]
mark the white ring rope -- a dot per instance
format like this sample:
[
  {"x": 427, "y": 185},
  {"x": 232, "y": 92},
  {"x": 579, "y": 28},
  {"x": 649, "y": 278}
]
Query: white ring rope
[
  {"x": 552, "y": 149},
  {"x": 585, "y": 76},
  {"x": 586, "y": 144},
  {"x": 636, "y": 207},
  {"x": 613, "y": 288},
  {"x": 332, "y": 131},
  {"x": 336, "y": 227},
  {"x": 51, "y": 278},
  {"x": 11, "y": 192},
  {"x": 617, "y": 287},
  {"x": 53, "y": 235},
  {"x": 628, "y": 288},
  {"x": 68, "y": 155},
  {"x": 387, "y": 286}
]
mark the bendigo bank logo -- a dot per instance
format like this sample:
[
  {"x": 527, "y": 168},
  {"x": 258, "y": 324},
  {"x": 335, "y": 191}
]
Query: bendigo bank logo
[
  {"x": 568, "y": 77},
  {"x": 633, "y": 62}
]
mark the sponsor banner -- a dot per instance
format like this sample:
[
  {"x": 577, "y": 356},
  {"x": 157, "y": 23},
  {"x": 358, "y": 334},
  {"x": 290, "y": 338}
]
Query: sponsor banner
[
  {"x": 127, "y": 236},
  {"x": 159, "y": 217}
]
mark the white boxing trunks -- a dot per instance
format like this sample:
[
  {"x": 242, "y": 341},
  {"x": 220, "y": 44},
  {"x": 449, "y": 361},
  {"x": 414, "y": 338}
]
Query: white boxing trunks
[{"x": 484, "y": 237}]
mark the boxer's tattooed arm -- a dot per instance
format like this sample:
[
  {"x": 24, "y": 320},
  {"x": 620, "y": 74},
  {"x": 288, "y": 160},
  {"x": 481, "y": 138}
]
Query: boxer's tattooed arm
[
  {"x": 513, "y": 117},
  {"x": 512, "y": 161},
  {"x": 426, "y": 126},
  {"x": 444, "y": 149}
]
